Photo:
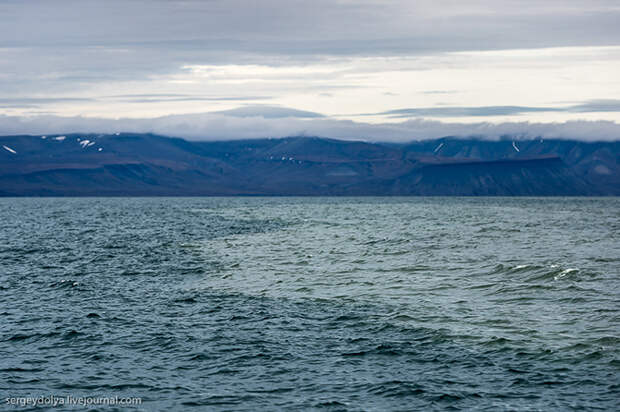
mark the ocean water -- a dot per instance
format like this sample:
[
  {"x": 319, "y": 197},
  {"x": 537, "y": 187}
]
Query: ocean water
[{"x": 335, "y": 304}]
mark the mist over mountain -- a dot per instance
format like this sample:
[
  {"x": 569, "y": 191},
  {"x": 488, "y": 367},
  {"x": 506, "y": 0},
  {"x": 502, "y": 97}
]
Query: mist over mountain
[
  {"x": 256, "y": 122},
  {"x": 131, "y": 164}
]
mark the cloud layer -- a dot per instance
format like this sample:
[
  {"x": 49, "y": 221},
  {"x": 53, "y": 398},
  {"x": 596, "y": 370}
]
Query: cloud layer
[
  {"x": 227, "y": 126},
  {"x": 445, "y": 59},
  {"x": 601, "y": 105}
]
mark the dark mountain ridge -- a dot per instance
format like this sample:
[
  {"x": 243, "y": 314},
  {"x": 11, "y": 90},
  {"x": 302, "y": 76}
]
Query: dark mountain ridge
[{"x": 129, "y": 164}]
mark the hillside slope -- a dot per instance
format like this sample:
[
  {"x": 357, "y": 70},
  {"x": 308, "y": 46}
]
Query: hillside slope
[{"x": 151, "y": 165}]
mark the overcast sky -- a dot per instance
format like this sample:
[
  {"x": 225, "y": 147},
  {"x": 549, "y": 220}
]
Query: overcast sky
[{"x": 240, "y": 67}]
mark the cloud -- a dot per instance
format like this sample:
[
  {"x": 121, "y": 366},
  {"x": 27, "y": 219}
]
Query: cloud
[
  {"x": 127, "y": 40},
  {"x": 222, "y": 126},
  {"x": 590, "y": 106},
  {"x": 34, "y": 100},
  {"x": 189, "y": 56},
  {"x": 300, "y": 27},
  {"x": 269, "y": 112},
  {"x": 186, "y": 98},
  {"x": 600, "y": 105},
  {"x": 463, "y": 111}
]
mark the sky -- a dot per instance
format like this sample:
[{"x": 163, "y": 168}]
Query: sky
[{"x": 368, "y": 69}]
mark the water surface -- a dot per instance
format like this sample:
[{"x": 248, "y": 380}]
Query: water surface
[{"x": 313, "y": 303}]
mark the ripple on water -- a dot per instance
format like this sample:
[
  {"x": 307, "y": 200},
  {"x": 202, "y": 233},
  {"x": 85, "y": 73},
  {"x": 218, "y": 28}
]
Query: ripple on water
[{"x": 331, "y": 304}]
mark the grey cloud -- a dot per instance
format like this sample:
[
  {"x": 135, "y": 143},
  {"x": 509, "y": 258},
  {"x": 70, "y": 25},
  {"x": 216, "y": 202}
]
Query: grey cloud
[
  {"x": 318, "y": 27},
  {"x": 219, "y": 126},
  {"x": 35, "y": 100},
  {"x": 180, "y": 96},
  {"x": 193, "y": 99},
  {"x": 70, "y": 43},
  {"x": 269, "y": 112},
  {"x": 146, "y": 95},
  {"x": 18, "y": 106},
  {"x": 463, "y": 111},
  {"x": 601, "y": 105}
]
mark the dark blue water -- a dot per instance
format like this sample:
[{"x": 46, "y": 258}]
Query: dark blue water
[{"x": 329, "y": 304}]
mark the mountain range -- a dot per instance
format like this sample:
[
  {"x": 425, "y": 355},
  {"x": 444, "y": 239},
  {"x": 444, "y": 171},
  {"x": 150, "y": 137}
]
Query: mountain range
[{"x": 131, "y": 164}]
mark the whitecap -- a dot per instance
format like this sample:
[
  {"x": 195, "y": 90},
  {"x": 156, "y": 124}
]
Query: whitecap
[{"x": 565, "y": 272}]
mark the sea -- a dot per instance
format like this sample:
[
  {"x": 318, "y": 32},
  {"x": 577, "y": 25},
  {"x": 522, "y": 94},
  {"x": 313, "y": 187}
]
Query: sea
[{"x": 327, "y": 304}]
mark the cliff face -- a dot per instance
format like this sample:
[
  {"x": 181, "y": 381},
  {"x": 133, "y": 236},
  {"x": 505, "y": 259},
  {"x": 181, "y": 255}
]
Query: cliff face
[{"x": 144, "y": 164}]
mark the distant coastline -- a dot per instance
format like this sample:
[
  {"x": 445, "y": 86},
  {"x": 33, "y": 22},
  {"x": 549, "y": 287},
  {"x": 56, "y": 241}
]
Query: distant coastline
[{"x": 130, "y": 164}]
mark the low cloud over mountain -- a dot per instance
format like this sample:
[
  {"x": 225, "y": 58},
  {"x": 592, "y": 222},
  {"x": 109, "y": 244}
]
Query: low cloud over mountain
[{"x": 270, "y": 121}]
